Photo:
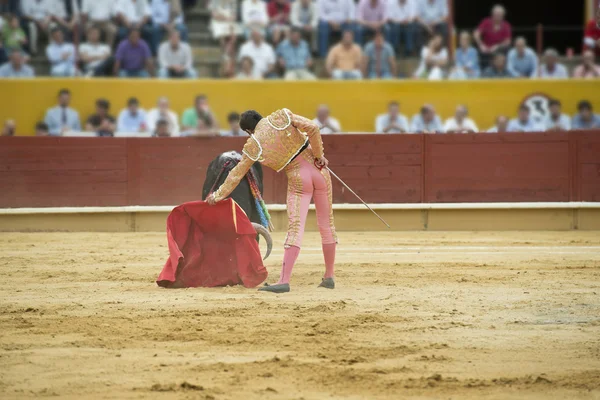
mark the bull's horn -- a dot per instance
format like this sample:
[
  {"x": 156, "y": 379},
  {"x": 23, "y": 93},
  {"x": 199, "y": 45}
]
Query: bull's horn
[{"x": 262, "y": 231}]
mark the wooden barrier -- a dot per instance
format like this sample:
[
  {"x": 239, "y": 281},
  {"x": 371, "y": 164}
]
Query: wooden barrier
[{"x": 78, "y": 172}]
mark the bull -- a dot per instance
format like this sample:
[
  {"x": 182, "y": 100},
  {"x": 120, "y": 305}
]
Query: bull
[{"x": 216, "y": 174}]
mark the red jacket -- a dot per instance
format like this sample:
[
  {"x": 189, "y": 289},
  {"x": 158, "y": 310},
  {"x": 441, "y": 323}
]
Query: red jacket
[
  {"x": 592, "y": 33},
  {"x": 274, "y": 8}
]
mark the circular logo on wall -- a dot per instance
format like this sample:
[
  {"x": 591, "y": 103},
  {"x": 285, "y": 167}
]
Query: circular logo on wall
[{"x": 538, "y": 104}]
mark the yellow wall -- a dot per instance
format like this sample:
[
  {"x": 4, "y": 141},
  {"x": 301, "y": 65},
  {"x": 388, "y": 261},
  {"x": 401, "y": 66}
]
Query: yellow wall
[{"x": 355, "y": 104}]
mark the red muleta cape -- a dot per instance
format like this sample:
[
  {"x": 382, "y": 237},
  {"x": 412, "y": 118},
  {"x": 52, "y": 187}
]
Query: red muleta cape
[{"x": 211, "y": 246}]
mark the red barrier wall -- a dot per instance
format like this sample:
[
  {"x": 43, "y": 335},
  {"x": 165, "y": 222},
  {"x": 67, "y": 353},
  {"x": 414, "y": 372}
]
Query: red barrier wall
[{"x": 52, "y": 172}]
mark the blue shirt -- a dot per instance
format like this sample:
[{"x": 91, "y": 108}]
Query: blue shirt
[
  {"x": 128, "y": 122},
  {"x": 7, "y": 71},
  {"x": 468, "y": 59},
  {"x": 430, "y": 13},
  {"x": 385, "y": 53},
  {"x": 57, "y": 117},
  {"x": 516, "y": 125},
  {"x": 160, "y": 11},
  {"x": 418, "y": 125},
  {"x": 295, "y": 57},
  {"x": 578, "y": 122},
  {"x": 525, "y": 66}
]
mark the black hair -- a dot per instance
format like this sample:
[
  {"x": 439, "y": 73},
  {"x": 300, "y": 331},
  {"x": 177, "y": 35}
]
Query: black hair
[
  {"x": 233, "y": 117},
  {"x": 133, "y": 101},
  {"x": 42, "y": 126},
  {"x": 393, "y": 103},
  {"x": 584, "y": 104},
  {"x": 162, "y": 122},
  {"x": 199, "y": 97},
  {"x": 554, "y": 102},
  {"x": 64, "y": 91},
  {"x": 103, "y": 103},
  {"x": 249, "y": 119}
]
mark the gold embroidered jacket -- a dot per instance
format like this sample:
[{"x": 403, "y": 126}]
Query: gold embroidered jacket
[{"x": 277, "y": 139}]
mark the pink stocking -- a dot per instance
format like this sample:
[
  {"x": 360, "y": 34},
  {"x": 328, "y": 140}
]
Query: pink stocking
[
  {"x": 289, "y": 259},
  {"x": 329, "y": 255}
]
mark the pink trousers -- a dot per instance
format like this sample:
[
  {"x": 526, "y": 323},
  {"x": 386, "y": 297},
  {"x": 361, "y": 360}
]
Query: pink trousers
[{"x": 305, "y": 181}]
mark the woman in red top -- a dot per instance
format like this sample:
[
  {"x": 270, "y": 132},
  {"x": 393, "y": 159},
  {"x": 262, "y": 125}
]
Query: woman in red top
[
  {"x": 279, "y": 19},
  {"x": 493, "y": 34}
]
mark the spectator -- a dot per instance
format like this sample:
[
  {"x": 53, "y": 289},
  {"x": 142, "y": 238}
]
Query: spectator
[
  {"x": 522, "y": 62},
  {"x": 501, "y": 125},
  {"x": 552, "y": 69},
  {"x": 588, "y": 68},
  {"x": 61, "y": 18},
  {"x": 36, "y": 13},
  {"x": 9, "y": 128},
  {"x": 400, "y": 16},
  {"x": 344, "y": 59},
  {"x": 379, "y": 60},
  {"x": 95, "y": 55},
  {"x": 101, "y": 122},
  {"x": 261, "y": 53},
  {"x": 254, "y": 17},
  {"x": 61, "y": 55},
  {"x": 41, "y": 129},
  {"x": 434, "y": 58},
  {"x": 327, "y": 124},
  {"x": 371, "y": 17},
  {"x": 494, "y": 34},
  {"x": 585, "y": 119},
  {"x": 62, "y": 118},
  {"x": 426, "y": 121},
  {"x": 199, "y": 120},
  {"x": 97, "y": 13},
  {"x": 294, "y": 57},
  {"x": 224, "y": 20},
  {"x": 16, "y": 67},
  {"x": 498, "y": 68},
  {"x": 247, "y": 71},
  {"x": 133, "y": 58},
  {"x": 557, "y": 121},
  {"x": 591, "y": 39},
  {"x": 460, "y": 123},
  {"x": 524, "y": 122},
  {"x": 162, "y": 113},
  {"x": 162, "y": 129},
  {"x": 233, "y": 119},
  {"x": 392, "y": 121},
  {"x": 166, "y": 16},
  {"x": 175, "y": 58},
  {"x": 133, "y": 15},
  {"x": 466, "y": 59},
  {"x": 13, "y": 36},
  {"x": 304, "y": 16},
  {"x": 279, "y": 19},
  {"x": 133, "y": 118},
  {"x": 334, "y": 16},
  {"x": 432, "y": 15}
]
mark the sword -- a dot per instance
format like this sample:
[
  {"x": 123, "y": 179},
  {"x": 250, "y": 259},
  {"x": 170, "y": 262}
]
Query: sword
[{"x": 357, "y": 196}]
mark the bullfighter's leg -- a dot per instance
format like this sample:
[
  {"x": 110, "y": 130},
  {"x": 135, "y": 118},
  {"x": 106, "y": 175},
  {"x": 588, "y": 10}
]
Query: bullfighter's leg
[{"x": 324, "y": 209}]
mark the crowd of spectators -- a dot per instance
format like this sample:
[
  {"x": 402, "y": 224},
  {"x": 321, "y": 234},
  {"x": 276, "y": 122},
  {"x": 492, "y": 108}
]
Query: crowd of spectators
[{"x": 200, "y": 120}]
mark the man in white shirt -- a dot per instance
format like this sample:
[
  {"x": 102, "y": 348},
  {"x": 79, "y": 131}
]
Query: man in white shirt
[
  {"x": 334, "y": 16},
  {"x": 162, "y": 113},
  {"x": 133, "y": 118},
  {"x": 175, "y": 58},
  {"x": 524, "y": 122},
  {"x": 166, "y": 15},
  {"x": 327, "y": 124},
  {"x": 392, "y": 121},
  {"x": 254, "y": 16},
  {"x": 133, "y": 14},
  {"x": 460, "y": 123},
  {"x": 98, "y": 13},
  {"x": 95, "y": 55},
  {"x": 551, "y": 68},
  {"x": 400, "y": 16},
  {"x": 37, "y": 15},
  {"x": 557, "y": 121},
  {"x": 61, "y": 55},
  {"x": 261, "y": 53}
]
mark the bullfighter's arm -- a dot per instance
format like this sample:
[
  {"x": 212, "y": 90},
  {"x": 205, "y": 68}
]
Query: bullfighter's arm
[
  {"x": 233, "y": 179},
  {"x": 312, "y": 131}
]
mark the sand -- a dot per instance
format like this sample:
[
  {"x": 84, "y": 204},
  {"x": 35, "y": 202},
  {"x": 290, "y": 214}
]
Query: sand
[{"x": 414, "y": 316}]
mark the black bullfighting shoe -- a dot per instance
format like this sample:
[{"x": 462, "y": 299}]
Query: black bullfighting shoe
[
  {"x": 327, "y": 283},
  {"x": 281, "y": 288}
]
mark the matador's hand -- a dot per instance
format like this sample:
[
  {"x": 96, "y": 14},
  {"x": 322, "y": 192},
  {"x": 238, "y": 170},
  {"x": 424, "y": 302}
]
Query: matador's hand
[
  {"x": 211, "y": 199},
  {"x": 321, "y": 162}
]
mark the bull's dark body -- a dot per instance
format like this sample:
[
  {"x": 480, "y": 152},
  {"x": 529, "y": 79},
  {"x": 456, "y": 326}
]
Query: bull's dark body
[{"x": 241, "y": 194}]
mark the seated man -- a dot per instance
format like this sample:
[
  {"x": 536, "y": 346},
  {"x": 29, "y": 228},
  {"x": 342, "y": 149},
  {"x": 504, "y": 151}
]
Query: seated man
[
  {"x": 62, "y": 118},
  {"x": 400, "y": 16},
  {"x": 64, "y": 15},
  {"x": 379, "y": 61},
  {"x": 392, "y": 121},
  {"x": 133, "y": 118},
  {"x": 551, "y": 68},
  {"x": 326, "y": 123},
  {"x": 162, "y": 112},
  {"x": 16, "y": 67},
  {"x": 501, "y": 125},
  {"x": 334, "y": 16},
  {"x": 524, "y": 122},
  {"x": 167, "y": 15},
  {"x": 294, "y": 57},
  {"x": 432, "y": 15},
  {"x": 130, "y": 15},
  {"x": 175, "y": 58},
  {"x": 303, "y": 16},
  {"x": 261, "y": 53},
  {"x": 61, "y": 55},
  {"x": 162, "y": 129},
  {"x": 370, "y": 18},
  {"x": 498, "y": 68},
  {"x": 588, "y": 69},
  {"x": 233, "y": 119},
  {"x": 345, "y": 58},
  {"x": 426, "y": 121},
  {"x": 585, "y": 119},
  {"x": 522, "y": 61},
  {"x": 95, "y": 55},
  {"x": 199, "y": 120},
  {"x": 557, "y": 121},
  {"x": 41, "y": 129},
  {"x": 460, "y": 123},
  {"x": 98, "y": 14},
  {"x": 101, "y": 122},
  {"x": 133, "y": 58},
  {"x": 12, "y": 35},
  {"x": 36, "y": 14}
]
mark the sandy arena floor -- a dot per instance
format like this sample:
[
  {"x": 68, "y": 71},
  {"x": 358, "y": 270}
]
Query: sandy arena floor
[{"x": 415, "y": 315}]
